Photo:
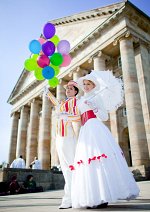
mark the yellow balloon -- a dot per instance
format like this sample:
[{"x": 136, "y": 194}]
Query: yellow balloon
[
  {"x": 30, "y": 64},
  {"x": 55, "y": 39},
  {"x": 56, "y": 69},
  {"x": 38, "y": 74},
  {"x": 53, "y": 82},
  {"x": 34, "y": 56}
]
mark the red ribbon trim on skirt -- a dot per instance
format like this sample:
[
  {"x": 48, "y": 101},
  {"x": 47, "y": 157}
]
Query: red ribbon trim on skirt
[{"x": 89, "y": 160}]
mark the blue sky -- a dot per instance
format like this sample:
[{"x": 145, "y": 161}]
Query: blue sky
[{"x": 22, "y": 21}]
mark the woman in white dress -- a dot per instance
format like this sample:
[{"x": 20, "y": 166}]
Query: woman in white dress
[{"x": 100, "y": 172}]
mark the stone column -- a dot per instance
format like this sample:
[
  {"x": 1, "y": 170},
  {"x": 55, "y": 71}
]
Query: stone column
[
  {"x": 32, "y": 141},
  {"x": 139, "y": 148},
  {"x": 44, "y": 140},
  {"x": 114, "y": 125},
  {"x": 99, "y": 62},
  {"x": 143, "y": 73},
  {"x": 54, "y": 156},
  {"x": 60, "y": 91},
  {"x": 149, "y": 53},
  {"x": 13, "y": 137},
  {"x": 22, "y": 132},
  {"x": 76, "y": 75},
  {"x": 100, "y": 65}
]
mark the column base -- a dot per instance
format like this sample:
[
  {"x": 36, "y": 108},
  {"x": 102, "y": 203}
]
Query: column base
[{"x": 141, "y": 172}]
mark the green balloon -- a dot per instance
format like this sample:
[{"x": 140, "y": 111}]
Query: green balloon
[
  {"x": 38, "y": 68},
  {"x": 56, "y": 59},
  {"x": 30, "y": 64},
  {"x": 34, "y": 56},
  {"x": 56, "y": 69},
  {"x": 53, "y": 82},
  {"x": 38, "y": 74},
  {"x": 55, "y": 39}
]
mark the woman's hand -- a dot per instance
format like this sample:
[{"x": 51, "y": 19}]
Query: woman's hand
[{"x": 91, "y": 105}]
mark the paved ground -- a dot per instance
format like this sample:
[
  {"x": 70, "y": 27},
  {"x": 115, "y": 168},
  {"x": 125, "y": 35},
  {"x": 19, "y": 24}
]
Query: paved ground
[{"x": 49, "y": 202}]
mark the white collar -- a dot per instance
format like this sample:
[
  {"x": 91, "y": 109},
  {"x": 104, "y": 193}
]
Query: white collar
[{"x": 91, "y": 93}]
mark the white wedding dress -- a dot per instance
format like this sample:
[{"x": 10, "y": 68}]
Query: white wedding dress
[{"x": 100, "y": 172}]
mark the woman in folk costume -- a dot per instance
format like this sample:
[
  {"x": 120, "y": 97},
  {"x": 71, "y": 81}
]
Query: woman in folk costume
[
  {"x": 100, "y": 172},
  {"x": 66, "y": 112}
]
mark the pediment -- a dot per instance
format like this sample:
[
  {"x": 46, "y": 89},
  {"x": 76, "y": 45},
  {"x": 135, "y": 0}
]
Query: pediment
[
  {"x": 75, "y": 28},
  {"x": 76, "y": 32},
  {"x": 25, "y": 80}
]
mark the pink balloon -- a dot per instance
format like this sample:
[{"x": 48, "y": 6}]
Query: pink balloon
[
  {"x": 66, "y": 61},
  {"x": 41, "y": 40},
  {"x": 43, "y": 61}
]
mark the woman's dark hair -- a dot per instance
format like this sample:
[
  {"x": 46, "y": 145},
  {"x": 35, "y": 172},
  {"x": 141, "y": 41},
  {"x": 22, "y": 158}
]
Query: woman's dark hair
[
  {"x": 14, "y": 177},
  {"x": 29, "y": 176},
  {"x": 76, "y": 89}
]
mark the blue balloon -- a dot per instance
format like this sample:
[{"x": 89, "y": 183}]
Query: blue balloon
[
  {"x": 35, "y": 46},
  {"x": 48, "y": 72}
]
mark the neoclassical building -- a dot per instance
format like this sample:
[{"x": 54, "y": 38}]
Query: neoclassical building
[{"x": 114, "y": 37}]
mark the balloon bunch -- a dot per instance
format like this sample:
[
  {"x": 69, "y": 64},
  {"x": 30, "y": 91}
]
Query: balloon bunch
[{"x": 49, "y": 53}]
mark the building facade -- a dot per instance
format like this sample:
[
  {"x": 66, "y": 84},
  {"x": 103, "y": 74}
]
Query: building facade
[{"x": 115, "y": 37}]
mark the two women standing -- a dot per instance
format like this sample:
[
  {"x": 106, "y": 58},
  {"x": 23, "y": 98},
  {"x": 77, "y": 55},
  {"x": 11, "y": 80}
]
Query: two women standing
[{"x": 99, "y": 171}]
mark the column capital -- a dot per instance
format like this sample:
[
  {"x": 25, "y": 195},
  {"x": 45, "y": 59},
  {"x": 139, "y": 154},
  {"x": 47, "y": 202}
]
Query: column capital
[
  {"x": 98, "y": 54},
  {"x": 15, "y": 113},
  {"x": 77, "y": 69},
  {"x": 23, "y": 107},
  {"x": 90, "y": 60},
  {"x": 102, "y": 55},
  {"x": 61, "y": 82},
  {"x": 85, "y": 72},
  {"x": 145, "y": 44},
  {"x": 41, "y": 94},
  {"x": 126, "y": 35},
  {"x": 70, "y": 74},
  {"x": 35, "y": 100}
]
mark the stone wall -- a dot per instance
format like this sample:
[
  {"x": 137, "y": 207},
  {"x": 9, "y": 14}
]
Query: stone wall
[{"x": 49, "y": 180}]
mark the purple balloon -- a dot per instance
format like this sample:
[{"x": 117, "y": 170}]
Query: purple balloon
[
  {"x": 49, "y": 30},
  {"x": 63, "y": 47},
  {"x": 48, "y": 48}
]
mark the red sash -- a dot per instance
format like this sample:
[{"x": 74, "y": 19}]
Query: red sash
[{"x": 86, "y": 116}]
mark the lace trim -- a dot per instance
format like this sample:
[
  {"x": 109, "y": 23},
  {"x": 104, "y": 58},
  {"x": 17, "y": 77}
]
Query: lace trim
[{"x": 122, "y": 94}]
